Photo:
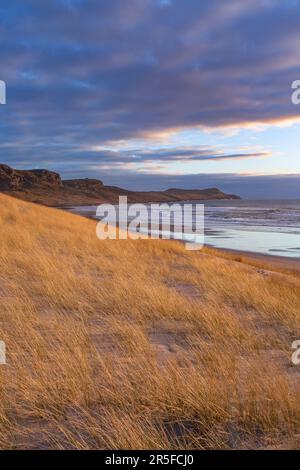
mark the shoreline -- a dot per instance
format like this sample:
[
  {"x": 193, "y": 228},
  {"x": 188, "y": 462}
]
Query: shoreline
[
  {"x": 68, "y": 206},
  {"x": 287, "y": 265}
]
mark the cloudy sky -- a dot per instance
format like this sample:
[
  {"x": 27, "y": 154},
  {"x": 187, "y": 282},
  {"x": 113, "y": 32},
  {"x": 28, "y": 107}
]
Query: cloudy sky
[{"x": 149, "y": 94}]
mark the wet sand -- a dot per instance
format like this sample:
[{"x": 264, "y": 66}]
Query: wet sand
[{"x": 271, "y": 262}]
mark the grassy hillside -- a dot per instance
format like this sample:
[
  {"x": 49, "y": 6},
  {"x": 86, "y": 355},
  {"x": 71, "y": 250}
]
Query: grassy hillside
[{"x": 139, "y": 344}]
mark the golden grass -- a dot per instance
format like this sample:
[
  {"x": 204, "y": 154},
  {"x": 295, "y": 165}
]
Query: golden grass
[{"x": 139, "y": 344}]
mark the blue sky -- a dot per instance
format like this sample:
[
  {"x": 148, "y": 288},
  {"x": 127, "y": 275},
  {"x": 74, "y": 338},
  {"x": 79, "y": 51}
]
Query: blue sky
[{"x": 150, "y": 93}]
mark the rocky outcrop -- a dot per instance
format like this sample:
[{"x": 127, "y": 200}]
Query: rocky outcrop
[
  {"x": 19, "y": 180},
  {"x": 86, "y": 184}
]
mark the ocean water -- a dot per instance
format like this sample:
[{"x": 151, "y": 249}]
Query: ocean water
[{"x": 267, "y": 227}]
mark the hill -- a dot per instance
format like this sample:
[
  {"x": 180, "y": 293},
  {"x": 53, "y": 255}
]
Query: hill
[{"x": 47, "y": 187}]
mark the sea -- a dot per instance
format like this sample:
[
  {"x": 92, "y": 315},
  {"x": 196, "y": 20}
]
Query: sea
[{"x": 256, "y": 226}]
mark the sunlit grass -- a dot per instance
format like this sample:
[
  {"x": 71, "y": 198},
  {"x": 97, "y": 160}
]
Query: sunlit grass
[{"x": 139, "y": 344}]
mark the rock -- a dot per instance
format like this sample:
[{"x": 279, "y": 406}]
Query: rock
[
  {"x": 86, "y": 184},
  {"x": 18, "y": 180},
  {"x": 9, "y": 179}
]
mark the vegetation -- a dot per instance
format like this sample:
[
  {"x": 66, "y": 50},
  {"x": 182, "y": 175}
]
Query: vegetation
[{"x": 140, "y": 344}]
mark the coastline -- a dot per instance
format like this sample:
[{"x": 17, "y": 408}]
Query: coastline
[{"x": 286, "y": 265}]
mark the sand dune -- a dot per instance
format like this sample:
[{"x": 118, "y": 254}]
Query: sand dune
[{"x": 140, "y": 344}]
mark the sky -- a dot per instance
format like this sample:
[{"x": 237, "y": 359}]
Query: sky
[{"x": 152, "y": 94}]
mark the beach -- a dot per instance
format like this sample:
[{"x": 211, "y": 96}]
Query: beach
[
  {"x": 283, "y": 264},
  {"x": 267, "y": 231}
]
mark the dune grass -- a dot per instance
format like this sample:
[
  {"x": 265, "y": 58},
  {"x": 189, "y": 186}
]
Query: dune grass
[{"x": 139, "y": 344}]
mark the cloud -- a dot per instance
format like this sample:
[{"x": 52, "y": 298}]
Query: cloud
[
  {"x": 89, "y": 72},
  {"x": 185, "y": 155},
  {"x": 97, "y": 159}
]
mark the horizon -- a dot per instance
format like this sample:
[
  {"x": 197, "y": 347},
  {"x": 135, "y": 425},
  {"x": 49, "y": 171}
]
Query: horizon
[
  {"x": 265, "y": 185},
  {"x": 148, "y": 95}
]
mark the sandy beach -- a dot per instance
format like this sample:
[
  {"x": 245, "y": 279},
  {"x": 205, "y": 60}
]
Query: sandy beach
[{"x": 271, "y": 262}]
